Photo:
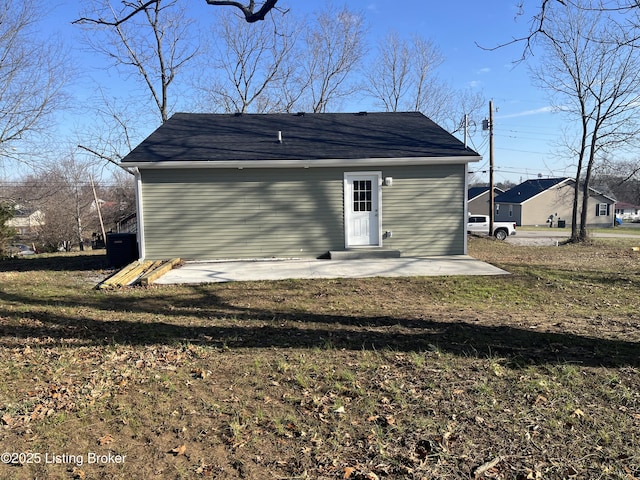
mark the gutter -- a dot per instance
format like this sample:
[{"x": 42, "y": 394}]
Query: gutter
[{"x": 330, "y": 162}]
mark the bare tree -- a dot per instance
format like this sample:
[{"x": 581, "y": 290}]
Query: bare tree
[
  {"x": 403, "y": 77},
  {"x": 465, "y": 104},
  {"x": 111, "y": 136},
  {"x": 621, "y": 178},
  {"x": 335, "y": 46},
  {"x": 249, "y": 60},
  {"x": 64, "y": 195},
  {"x": 430, "y": 94},
  {"x": 33, "y": 75},
  {"x": 627, "y": 19},
  {"x": 272, "y": 67},
  {"x": 74, "y": 179},
  {"x": 595, "y": 81},
  {"x": 389, "y": 79},
  {"x": 154, "y": 46}
]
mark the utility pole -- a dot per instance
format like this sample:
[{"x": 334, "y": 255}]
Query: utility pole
[
  {"x": 491, "y": 181},
  {"x": 466, "y": 129},
  {"x": 488, "y": 125}
]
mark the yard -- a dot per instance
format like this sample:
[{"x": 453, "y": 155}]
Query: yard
[{"x": 534, "y": 375}]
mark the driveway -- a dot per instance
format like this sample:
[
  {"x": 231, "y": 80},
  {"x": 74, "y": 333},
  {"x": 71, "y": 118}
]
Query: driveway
[
  {"x": 280, "y": 269},
  {"x": 553, "y": 236}
]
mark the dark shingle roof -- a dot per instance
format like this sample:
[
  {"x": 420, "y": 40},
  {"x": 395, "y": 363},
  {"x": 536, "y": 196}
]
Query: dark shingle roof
[
  {"x": 228, "y": 137},
  {"x": 528, "y": 189},
  {"x": 474, "y": 192}
]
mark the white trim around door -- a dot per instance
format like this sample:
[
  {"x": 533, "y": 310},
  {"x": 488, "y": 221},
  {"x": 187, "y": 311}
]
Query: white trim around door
[{"x": 362, "y": 209}]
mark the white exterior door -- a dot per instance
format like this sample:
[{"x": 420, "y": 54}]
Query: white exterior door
[{"x": 362, "y": 209}]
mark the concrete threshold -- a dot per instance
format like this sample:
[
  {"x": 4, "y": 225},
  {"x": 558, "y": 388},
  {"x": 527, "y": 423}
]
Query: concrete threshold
[{"x": 361, "y": 254}]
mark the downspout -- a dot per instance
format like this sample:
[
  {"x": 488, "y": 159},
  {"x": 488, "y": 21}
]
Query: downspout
[
  {"x": 465, "y": 219},
  {"x": 139, "y": 213}
]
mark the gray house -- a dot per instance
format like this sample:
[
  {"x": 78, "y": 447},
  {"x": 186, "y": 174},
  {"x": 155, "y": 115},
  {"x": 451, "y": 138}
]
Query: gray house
[
  {"x": 212, "y": 186},
  {"x": 549, "y": 201},
  {"x": 478, "y": 199}
]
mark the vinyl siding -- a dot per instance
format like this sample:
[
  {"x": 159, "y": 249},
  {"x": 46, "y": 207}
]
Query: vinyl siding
[
  {"x": 230, "y": 213},
  {"x": 556, "y": 201},
  {"x": 211, "y": 213},
  {"x": 424, "y": 208},
  {"x": 480, "y": 205}
]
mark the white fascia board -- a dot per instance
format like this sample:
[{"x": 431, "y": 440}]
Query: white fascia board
[{"x": 332, "y": 162}]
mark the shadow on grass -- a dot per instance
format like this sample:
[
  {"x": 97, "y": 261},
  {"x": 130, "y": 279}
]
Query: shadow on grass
[
  {"x": 55, "y": 262},
  {"x": 211, "y": 321}
]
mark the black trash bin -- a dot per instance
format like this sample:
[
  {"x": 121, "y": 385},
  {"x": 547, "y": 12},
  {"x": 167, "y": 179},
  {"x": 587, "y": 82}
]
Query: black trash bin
[
  {"x": 562, "y": 223},
  {"x": 122, "y": 249}
]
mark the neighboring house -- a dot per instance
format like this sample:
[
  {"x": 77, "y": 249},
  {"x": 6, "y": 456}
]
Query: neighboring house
[
  {"x": 26, "y": 222},
  {"x": 128, "y": 224},
  {"x": 212, "y": 186},
  {"x": 549, "y": 201},
  {"x": 628, "y": 212},
  {"x": 478, "y": 199}
]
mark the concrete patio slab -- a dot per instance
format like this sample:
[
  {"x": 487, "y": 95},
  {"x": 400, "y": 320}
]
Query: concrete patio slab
[{"x": 280, "y": 269}]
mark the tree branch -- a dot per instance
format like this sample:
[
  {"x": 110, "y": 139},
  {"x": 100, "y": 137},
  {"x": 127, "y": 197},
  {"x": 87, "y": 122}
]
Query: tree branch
[
  {"x": 119, "y": 21},
  {"x": 250, "y": 15},
  {"x": 248, "y": 11},
  {"x": 104, "y": 157}
]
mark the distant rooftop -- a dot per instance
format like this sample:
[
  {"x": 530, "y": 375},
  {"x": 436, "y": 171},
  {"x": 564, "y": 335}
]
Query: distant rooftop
[
  {"x": 474, "y": 192},
  {"x": 529, "y": 189}
]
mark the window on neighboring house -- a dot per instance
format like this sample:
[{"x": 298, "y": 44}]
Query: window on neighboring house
[
  {"x": 497, "y": 208},
  {"x": 602, "y": 210}
]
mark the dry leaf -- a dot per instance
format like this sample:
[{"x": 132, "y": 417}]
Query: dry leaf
[
  {"x": 77, "y": 473},
  {"x": 105, "y": 440},
  {"x": 577, "y": 413},
  {"x": 541, "y": 399},
  {"x": 179, "y": 450},
  {"x": 533, "y": 475},
  {"x": 348, "y": 471},
  {"x": 478, "y": 472},
  {"x": 339, "y": 410},
  {"x": 199, "y": 373}
]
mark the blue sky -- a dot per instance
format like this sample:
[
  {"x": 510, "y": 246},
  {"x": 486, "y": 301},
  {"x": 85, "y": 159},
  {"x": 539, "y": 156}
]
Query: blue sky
[{"x": 525, "y": 132}]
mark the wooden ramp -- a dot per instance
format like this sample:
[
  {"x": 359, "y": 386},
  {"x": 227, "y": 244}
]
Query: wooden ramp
[{"x": 138, "y": 273}]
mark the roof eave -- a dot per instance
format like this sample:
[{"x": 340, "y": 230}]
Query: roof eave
[{"x": 321, "y": 163}]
